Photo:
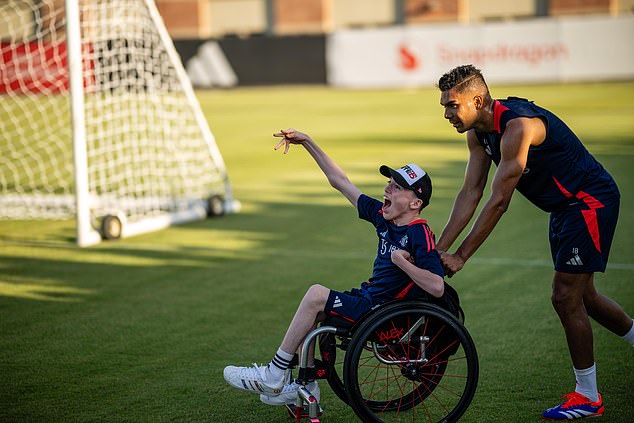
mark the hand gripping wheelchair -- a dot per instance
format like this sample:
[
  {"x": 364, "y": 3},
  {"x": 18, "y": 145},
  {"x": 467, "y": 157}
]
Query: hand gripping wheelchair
[{"x": 406, "y": 360}]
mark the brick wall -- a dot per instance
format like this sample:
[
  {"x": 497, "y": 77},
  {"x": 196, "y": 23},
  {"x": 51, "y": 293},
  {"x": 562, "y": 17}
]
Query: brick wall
[
  {"x": 207, "y": 18},
  {"x": 185, "y": 18},
  {"x": 431, "y": 10},
  {"x": 306, "y": 16},
  {"x": 577, "y": 7}
]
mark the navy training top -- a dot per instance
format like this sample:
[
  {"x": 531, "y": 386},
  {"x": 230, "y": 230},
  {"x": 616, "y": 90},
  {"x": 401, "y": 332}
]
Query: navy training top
[
  {"x": 560, "y": 170},
  {"x": 388, "y": 281}
]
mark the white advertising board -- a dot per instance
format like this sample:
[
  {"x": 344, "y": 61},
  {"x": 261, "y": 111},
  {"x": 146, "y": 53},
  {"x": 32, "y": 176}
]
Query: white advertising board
[{"x": 541, "y": 50}]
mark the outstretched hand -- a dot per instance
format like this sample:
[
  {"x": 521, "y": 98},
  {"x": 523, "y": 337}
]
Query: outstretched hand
[{"x": 290, "y": 136}]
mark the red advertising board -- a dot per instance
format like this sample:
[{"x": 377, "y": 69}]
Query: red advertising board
[{"x": 39, "y": 67}]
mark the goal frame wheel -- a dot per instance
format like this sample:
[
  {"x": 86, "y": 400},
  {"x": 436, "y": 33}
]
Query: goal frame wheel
[
  {"x": 215, "y": 206},
  {"x": 112, "y": 226}
]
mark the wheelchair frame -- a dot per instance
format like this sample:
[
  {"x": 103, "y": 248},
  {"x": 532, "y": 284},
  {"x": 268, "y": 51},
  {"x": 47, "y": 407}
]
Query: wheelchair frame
[{"x": 396, "y": 352}]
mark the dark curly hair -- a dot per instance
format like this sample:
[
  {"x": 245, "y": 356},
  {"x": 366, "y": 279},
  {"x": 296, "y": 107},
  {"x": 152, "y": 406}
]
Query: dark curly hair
[{"x": 462, "y": 77}]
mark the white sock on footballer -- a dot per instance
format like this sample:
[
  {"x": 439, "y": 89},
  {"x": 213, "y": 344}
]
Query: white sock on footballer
[
  {"x": 587, "y": 382},
  {"x": 629, "y": 337},
  {"x": 278, "y": 365}
]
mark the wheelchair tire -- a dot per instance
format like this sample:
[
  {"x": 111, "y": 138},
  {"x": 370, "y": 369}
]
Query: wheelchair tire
[{"x": 411, "y": 362}]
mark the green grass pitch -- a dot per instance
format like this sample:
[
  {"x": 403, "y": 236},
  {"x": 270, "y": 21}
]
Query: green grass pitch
[{"x": 139, "y": 330}]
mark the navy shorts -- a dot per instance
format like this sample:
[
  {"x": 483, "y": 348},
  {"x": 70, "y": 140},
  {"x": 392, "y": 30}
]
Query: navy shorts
[
  {"x": 581, "y": 236},
  {"x": 350, "y": 305}
]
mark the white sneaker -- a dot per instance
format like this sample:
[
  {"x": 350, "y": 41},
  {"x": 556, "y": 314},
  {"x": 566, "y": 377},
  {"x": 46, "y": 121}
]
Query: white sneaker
[
  {"x": 254, "y": 379},
  {"x": 289, "y": 394}
]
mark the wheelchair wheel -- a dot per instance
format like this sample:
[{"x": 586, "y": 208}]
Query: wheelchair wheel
[
  {"x": 333, "y": 350},
  {"x": 411, "y": 362}
]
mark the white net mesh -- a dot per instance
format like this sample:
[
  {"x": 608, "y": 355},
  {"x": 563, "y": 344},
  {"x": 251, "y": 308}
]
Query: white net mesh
[{"x": 147, "y": 152}]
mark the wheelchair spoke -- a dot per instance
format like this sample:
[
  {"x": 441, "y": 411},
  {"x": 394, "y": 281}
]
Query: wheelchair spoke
[{"x": 375, "y": 370}]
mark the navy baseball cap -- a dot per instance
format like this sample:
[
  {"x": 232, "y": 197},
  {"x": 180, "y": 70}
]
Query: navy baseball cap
[{"x": 411, "y": 177}]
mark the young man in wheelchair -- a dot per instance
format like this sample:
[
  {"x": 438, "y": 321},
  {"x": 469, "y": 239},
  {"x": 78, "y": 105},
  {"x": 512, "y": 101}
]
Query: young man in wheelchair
[{"x": 407, "y": 265}]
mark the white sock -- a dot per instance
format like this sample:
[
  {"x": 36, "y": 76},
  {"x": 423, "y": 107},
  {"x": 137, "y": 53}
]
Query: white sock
[
  {"x": 587, "y": 382},
  {"x": 629, "y": 337},
  {"x": 278, "y": 365}
]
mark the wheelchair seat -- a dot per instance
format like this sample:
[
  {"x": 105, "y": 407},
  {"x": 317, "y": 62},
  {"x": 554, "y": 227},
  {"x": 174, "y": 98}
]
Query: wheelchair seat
[{"x": 449, "y": 302}]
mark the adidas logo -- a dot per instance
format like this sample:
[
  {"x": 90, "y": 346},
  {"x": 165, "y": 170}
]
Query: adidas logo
[
  {"x": 575, "y": 261},
  {"x": 210, "y": 67},
  {"x": 337, "y": 303}
]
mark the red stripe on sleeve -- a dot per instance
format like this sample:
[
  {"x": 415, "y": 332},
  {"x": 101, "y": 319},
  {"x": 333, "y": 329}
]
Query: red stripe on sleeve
[
  {"x": 427, "y": 238},
  {"x": 432, "y": 242}
]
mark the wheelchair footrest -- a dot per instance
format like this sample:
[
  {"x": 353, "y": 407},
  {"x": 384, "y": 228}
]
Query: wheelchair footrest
[{"x": 301, "y": 412}]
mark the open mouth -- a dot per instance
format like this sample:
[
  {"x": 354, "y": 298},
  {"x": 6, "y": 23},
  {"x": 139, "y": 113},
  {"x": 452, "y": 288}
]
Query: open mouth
[{"x": 386, "y": 203}]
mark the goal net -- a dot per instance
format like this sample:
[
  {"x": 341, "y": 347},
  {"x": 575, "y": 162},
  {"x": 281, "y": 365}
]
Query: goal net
[{"x": 98, "y": 121}]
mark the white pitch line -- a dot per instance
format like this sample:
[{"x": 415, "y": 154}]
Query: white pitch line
[
  {"x": 334, "y": 254},
  {"x": 507, "y": 261},
  {"x": 484, "y": 261}
]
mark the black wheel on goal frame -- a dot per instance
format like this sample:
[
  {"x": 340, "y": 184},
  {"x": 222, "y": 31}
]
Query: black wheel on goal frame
[
  {"x": 215, "y": 206},
  {"x": 112, "y": 226}
]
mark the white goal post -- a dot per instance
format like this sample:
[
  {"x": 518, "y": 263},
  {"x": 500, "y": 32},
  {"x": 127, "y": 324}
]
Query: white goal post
[{"x": 99, "y": 121}]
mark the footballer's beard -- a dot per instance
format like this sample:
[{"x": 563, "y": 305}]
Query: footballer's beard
[{"x": 459, "y": 126}]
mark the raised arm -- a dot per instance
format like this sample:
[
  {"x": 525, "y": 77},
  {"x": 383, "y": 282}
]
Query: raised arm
[
  {"x": 519, "y": 135},
  {"x": 469, "y": 196},
  {"x": 336, "y": 176}
]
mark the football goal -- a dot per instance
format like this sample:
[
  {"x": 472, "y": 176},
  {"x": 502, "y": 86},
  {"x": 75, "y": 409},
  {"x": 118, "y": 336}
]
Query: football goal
[{"x": 99, "y": 122}]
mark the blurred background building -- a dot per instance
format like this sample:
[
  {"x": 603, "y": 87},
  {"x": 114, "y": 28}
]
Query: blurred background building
[
  {"x": 215, "y": 18},
  {"x": 373, "y": 43}
]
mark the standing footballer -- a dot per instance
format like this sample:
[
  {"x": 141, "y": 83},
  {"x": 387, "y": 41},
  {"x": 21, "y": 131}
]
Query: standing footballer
[{"x": 537, "y": 154}]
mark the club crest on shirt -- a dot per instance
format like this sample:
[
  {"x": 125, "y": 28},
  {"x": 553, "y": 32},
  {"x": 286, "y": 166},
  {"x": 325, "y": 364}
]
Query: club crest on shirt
[{"x": 403, "y": 241}]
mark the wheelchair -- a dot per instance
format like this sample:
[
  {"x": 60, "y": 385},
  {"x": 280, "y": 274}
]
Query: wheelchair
[{"x": 405, "y": 360}]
